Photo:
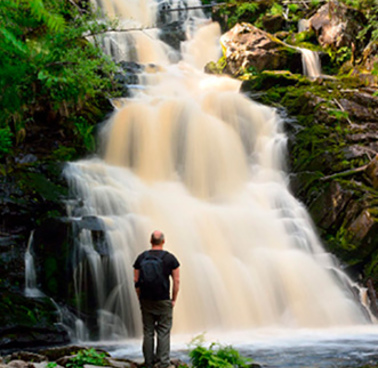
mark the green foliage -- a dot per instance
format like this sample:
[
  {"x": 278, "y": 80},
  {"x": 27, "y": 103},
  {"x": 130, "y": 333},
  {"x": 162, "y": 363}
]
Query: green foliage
[
  {"x": 370, "y": 9},
  {"x": 84, "y": 131},
  {"x": 5, "y": 140},
  {"x": 217, "y": 356},
  {"x": 239, "y": 11},
  {"x": 339, "y": 114},
  {"x": 276, "y": 9},
  {"x": 293, "y": 8},
  {"x": 340, "y": 56},
  {"x": 352, "y": 3},
  {"x": 51, "y": 365},
  {"x": 46, "y": 65},
  {"x": 63, "y": 154},
  {"x": 90, "y": 356}
]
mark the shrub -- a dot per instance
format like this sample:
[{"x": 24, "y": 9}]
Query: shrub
[
  {"x": 217, "y": 356},
  {"x": 90, "y": 356}
]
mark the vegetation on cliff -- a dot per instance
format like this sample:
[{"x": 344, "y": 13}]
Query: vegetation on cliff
[{"x": 53, "y": 81}]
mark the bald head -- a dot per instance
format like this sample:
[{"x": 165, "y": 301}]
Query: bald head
[{"x": 157, "y": 238}]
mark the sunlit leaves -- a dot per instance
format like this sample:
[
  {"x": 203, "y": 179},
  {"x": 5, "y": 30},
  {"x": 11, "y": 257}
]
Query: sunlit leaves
[{"x": 46, "y": 62}]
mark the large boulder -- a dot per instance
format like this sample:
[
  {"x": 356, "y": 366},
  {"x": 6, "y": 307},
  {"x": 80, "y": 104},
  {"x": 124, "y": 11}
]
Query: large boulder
[
  {"x": 334, "y": 25},
  {"x": 248, "y": 47}
]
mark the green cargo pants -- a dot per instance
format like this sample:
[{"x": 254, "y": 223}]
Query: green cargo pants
[{"x": 156, "y": 316}]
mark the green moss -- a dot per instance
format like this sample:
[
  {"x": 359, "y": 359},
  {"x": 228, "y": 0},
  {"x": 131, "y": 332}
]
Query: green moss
[{"x": 216, "y": 68}]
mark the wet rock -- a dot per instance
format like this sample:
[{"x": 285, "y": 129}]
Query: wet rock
[
  {"x": 53, "y": 249},
  {"x": 327, "y": 208},
  {"x": 63, "y": 361},
  {"x": 300, "y": 184},
  {"x": 53, "y": 354},
  {"x": 355, "y": 151},
  {"x": 26, "y": 159},
  {"x": 365, "y": 99},
  {"x": 273, "y": 23},
  {"x": 94, "y": 366},
  {"x": 359, "y": 112},
  {"x": 270, "y": 78},
  {"x": 131, "y": 67},
  {"x": 27, "y": 356},
  {"x": 334, "y": 25},
  {"x": 173, "y": 34},
  {"x": 45, "y": 365},
  {"x": 372, "y": 172},
  {"x": 373, "y": 297},
  {"x": 19, "y": 364},
  {"x": 361, "y": 226},
  {"x": 121, "y": 363},
  {"x": 128, "y": 76},
  {"x": 178, "y": 363},
  {"x": 363, "y": 137},
  {"x": 91, "y": 223},
  {"x": 247, "y": 46},
  {"x": 12, "y": 264}
]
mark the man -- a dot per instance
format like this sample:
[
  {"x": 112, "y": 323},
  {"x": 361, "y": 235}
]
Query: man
[{"x": 152, "y": 270}]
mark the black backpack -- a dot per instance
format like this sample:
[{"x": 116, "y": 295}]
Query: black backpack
[{"x": 151, "y": 275}]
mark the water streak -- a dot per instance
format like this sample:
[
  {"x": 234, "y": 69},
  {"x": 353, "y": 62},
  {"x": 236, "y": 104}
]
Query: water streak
[
  {"x": 311, "y": 63},
  {"x": 31, "y": 288}
]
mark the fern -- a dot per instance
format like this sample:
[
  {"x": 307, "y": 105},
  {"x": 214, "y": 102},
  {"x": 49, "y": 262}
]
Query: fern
[
  {"x": 46, "y": 64},
  {"x": 10, "y": 38}
]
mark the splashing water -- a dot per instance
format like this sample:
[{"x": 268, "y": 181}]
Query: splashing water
[{"x": 191, "y": 156}]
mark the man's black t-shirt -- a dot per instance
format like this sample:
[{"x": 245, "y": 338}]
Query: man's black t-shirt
[{"x": 170, "y": 263}]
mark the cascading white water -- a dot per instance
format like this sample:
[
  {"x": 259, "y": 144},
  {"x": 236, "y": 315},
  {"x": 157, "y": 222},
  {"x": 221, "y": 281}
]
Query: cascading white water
[
  {"x": 192, "y": 157},
  {"x": 311, "y": 63},
  {"x": 31, "y": 289},
  {"x": 310, "y": 59}
]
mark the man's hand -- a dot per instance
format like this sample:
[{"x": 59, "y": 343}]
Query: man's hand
[
  {"x": 176, "y": 284},
  {"x": 136, "y": 279}
]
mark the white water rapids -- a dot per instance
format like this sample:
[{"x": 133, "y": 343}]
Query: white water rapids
[{"x": 189, "y": 155}]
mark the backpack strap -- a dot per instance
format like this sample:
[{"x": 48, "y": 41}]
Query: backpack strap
[{"x": 160, "y": 255}]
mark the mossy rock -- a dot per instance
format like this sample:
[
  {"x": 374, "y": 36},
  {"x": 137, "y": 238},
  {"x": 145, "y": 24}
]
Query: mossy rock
[
  {"x": 26, "y": 322},
  {"x": 269, "y": 79}
]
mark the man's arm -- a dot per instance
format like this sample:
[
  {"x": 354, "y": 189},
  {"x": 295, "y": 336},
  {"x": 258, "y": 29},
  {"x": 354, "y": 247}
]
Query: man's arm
[
  {"x": 136, "y": 279},
  {"x": 176, "y": 284}
]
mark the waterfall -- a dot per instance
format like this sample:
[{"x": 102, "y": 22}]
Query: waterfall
[
  {"x": 31, "y": 289},
  {"x": 310, "y": 59},
  {"x": 311, "y": 63},
  {"x": 191, "y": 156}
]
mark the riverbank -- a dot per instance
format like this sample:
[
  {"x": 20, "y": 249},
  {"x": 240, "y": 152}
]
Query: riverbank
[{"x": 275, "y": 352}]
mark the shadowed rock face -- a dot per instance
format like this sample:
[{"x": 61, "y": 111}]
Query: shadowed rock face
[
  {"x": 29, "y": 194},
  {"x": 29, "y": 323}
]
